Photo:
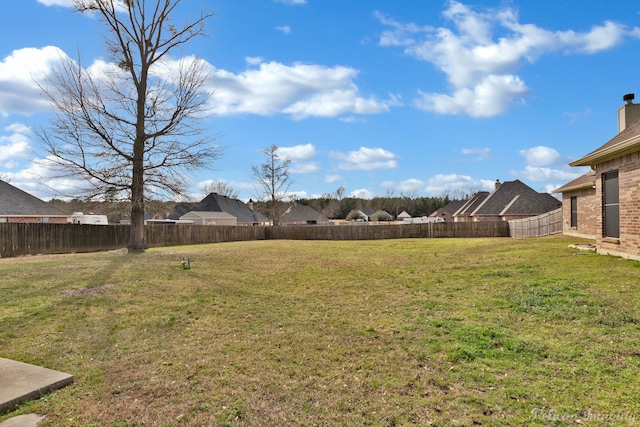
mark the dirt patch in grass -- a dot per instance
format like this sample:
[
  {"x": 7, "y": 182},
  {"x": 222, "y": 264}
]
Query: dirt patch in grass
[{"x": 94, "y": 290}]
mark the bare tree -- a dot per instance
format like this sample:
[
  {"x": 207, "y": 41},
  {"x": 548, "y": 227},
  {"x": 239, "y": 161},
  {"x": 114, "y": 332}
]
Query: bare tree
[
  {"x": 221, "y": 188},
  {"x": 4, "y": 177},
  {"x": 132, "y": 127},
  {"x": 274, "y": 180}
]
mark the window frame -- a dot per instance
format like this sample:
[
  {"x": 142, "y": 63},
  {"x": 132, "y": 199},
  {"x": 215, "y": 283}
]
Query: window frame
[{"x": 611, "y": 205}]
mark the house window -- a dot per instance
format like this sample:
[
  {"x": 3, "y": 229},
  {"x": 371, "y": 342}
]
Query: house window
[
  {"x": 574, "y": 211},
  {"x": 611, "y": 204}
]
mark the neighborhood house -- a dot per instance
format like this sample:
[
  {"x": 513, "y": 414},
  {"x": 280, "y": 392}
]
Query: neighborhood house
[
  {"x": 204, "y": 212},
  {"x": 510, "y": 200}
]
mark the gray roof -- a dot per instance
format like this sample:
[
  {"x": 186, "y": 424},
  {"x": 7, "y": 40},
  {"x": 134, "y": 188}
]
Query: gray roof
[
  {"x": 367, "y": 211},
  {"x": 517, "y": 198},
  {"x": 470, "y": 205},
  {"x": 588, "y": 180},
  {"x": 454, "y": 205},
  {"x": 218, "y": 203},
  {"x": 15, "y": 202},
  {"x": 298, "y": 212}
]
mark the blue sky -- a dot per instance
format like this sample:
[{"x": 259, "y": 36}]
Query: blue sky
[{"x": 403, "y": 97}]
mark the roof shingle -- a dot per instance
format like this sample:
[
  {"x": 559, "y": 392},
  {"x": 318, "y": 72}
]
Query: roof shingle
[{"x": 15, "y": 202}]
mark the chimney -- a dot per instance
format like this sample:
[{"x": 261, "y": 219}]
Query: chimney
[
  {"x": 629, "y": 113},
  {"x": 497, "y": 184},
  {"x": 250, "y": 204}
]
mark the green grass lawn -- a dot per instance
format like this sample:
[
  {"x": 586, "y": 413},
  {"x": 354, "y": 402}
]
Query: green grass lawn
[{"x": 284, "y": 333}]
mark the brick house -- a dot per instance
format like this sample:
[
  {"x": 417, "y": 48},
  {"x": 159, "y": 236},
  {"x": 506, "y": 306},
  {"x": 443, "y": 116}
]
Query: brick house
[
  {"x": 616, "y": 169},
  {"x": 19, "y": 206},
  {"x": 579, "y": 206},
  {"x": 446, "y": 212},
  {"x": 510, "y": 200}
]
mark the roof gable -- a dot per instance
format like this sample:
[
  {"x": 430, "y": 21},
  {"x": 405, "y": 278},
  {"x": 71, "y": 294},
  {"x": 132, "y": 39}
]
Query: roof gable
[
  {"x": 298, "y": 212},
  {"x": 215, "y": 202},
  {"x": 532, "y": 204},
  {"x": 517, "y": 198},
  {"x": 454, "y": 205},
  {"x": 472, "y": 204},
  {"x": 15, "y": 202}
]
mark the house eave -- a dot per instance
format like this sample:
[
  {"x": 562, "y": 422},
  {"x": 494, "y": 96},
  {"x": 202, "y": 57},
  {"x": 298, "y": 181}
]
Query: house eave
[
  {"x": 600, "y": 156},
  {"x": 575, "y": 188}
]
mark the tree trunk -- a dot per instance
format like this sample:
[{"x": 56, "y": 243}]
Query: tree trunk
[{"x": 136, "y": 236}]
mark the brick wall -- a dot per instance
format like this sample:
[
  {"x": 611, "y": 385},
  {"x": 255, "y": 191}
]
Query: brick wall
[
  {"x": 588, "y": 212},
  {"x": 628, "y": 245}
]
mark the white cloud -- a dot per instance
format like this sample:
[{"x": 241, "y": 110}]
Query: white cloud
[
  {"x": 366, "y": 159},
  {"x": 362, "y": 193},
  {"x": 299, "y": 90},
  {"x": 296, "y": 195},
  {"x": 306, "y": 167},
  {"x": 253, "y": 60},
  {"x": 481, "y": 65},
  {"x": 301, "y": 157},
  {"x": 477, "y": 154},
  {"x": 19, "y": 73},
  {"x": 298, "y": 152},
  {"x": 66, "y": 3},
  {"x": 575, "y": 116},
  {"x": 602, "y": 37},
  {"x": 489, "y": 98},
  {"x": 542, "y": 156},
  {"x": 15, "y": 146},
  {"x": 410, "y": 185},
  {"x": 546, "y": 174},
  {"x": 539, "y": 167},
  {"x": 285, "y": 29},
  {"x": 41, "y": 180},
  {"x": 330, "y": 179},
  {"x": 455, "y": 183}
]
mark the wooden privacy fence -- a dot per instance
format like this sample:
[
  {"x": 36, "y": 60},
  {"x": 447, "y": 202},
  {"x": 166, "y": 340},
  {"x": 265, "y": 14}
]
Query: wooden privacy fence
[
  {"x": 31, "y": 239},
  {"x": 537, "y": 226},
  {"x": 403, "y": 231}
]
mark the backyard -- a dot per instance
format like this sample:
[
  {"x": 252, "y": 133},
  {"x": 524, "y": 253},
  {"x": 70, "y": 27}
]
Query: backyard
[{"x": 487, "y": 331}]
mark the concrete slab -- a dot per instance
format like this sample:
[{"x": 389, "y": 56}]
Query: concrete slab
[
  {"x": 22, "y": 381},
  {"x": 27, "y": 420}
]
